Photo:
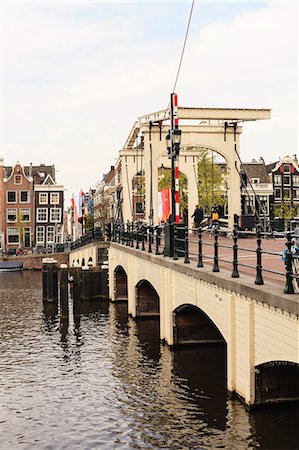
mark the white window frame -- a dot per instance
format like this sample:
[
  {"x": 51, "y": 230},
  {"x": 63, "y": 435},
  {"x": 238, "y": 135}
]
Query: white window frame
[
  {"x": 50, "y": 231},
  {"x": 295, "y": 180},
  {"x": 289, "y": 168},
  {"x": 40, "y": 196},
  {"x": 18, "y": 175},
  {"x": 296, "y": 191},
  {"x": 289, "y": 183},
  {"x": 13, "y": 234},
  {"x": 42, "y": 211},
  {"x": 59, "y": 231},
  {"x": 52, "y": 212},
  {"x": 290, "y": 193},
  {"x": 7, "y": 201},
  {"x": 25, "y": 209},
  {"x": 28, "y": 197},
  {"x": 52, "y": 196},
  {"x": 277, "y": 180},
  {"x": 40, "y": 231},
  {"x": 7, "y": 214}
]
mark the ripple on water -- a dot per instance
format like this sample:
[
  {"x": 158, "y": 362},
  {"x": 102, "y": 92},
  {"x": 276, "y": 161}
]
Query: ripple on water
[{"x": 104, "y": 381}]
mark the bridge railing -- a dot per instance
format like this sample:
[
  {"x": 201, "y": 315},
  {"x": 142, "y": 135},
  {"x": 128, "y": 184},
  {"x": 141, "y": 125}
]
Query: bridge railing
[
  {"x": 87, "y": 238},
  {"x": 198, "y": 245}
]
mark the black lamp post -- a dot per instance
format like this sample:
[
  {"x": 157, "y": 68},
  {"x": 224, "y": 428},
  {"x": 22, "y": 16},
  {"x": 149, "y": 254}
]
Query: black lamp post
[{"x": 173, "y": 139}]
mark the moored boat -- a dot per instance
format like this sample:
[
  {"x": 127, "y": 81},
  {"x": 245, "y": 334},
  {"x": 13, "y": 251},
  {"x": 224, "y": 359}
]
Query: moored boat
[{"x": 11, "y": 266}]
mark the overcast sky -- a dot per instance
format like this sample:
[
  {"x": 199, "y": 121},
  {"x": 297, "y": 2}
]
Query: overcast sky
[{"x": 76, "y": 75}]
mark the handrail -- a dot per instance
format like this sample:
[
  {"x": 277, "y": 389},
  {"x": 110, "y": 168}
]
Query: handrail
[{"x": 174, "y": 240}]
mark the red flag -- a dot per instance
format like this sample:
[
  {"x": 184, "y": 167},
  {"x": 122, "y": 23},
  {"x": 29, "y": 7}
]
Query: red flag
[{"x": 165, "y": 194}]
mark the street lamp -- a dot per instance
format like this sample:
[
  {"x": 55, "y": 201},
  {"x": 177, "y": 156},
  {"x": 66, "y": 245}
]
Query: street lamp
[{"x": 173, "y": 140}]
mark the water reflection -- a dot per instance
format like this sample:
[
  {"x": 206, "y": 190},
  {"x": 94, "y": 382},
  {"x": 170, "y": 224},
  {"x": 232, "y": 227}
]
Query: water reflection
[{"x": 100, "y": 379}]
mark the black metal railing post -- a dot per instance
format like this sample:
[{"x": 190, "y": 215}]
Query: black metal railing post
[
  {"x": 235, "y": 272},
  {"x": 150, "y": 228},
  {"x": 113, "y": 233},
  {"x": 132, "y": 235},
  {"x": 216, "y": 246},
  {"x": 137, "y": 236},
  {"x": 158, "y": 239},
  {"x": 118, "y": 233},
  {"x": 122, "y": 233},
  {"x": 259, "y": 277},
  {"x": 187, "y": 259},
  {"x": 127, "y": 234},
  {"x": 175, "y": 242},
  {"x": 199, "y": 261},
  {"x": 143, "y": 230},
  {"x": 289, "y": 288}
]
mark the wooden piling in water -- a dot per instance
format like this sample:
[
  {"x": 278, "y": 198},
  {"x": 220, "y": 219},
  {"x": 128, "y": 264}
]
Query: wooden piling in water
[
  {"x": 50, "y": 280},
  {"x": 64, "y": 292}
]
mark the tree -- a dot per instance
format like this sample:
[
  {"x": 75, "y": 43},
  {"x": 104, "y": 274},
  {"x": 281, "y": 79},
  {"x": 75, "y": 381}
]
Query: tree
[
  {"x": 210, "y": 181},
  {"x": 165, "y": 182},
  {"x": 89, "y": 222},
  {"x": 104, "y": 211},
  {"x": 285, "y": 210}
]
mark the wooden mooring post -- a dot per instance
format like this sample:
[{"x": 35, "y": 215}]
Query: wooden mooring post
[
  {"x": 64, "y": 292},
  {"x": 50, "y": 280}
]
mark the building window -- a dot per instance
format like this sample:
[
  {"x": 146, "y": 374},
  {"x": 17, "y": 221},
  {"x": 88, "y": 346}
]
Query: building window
[
  {"x": 54, "y": 198},
  {"x": 139, "y": 207},
  {"x": 25, "y": 214},
  {"x": 277, "y": 179},
  {"x": 296, "y": 180},
  {"x": 11, "y": 197},
  {"x": 13, "y": 235},
  {"x": 50, "y": 235},
  {"x": 43, "y": 198},
  {"x": 287, "y": 168},
  {"x": 40, "y": 235},
  {"x": 255, "y": 180},
  {"x": 296, "y": 194},
  {"x": 59, "y": 234},
  {"x": 11, "y": 214},
  {"x": 18, "y": 179},
  {"x": 286, "y": 180},
  {"x": 55, "y": 215},
  {"x": 264, "y": 203},
  {"x": 42, "y": 215},
  {"x": 24, "y": 197},
  {"x": 277, "y": 193},
  {"x": 287, "y": 193}
]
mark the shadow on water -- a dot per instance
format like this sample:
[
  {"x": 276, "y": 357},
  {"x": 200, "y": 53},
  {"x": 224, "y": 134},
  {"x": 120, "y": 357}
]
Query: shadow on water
[
  {"x": 281, "y": 423},
  {"x": 50, "y": 311},
  {"x": 148, "y": 334},
  {"x": 201, "y": 369}
]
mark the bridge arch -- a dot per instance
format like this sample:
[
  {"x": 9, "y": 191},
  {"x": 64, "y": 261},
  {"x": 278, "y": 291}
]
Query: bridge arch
[
  {"x": 191, "y": 325},
  {"x": 276, "y": 381},
  {"x": 120, "y": 284},
  {"x": 147, "y": 300}
]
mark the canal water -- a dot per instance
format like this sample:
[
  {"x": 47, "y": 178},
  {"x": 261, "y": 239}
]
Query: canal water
[{"x": 104, "y": 381}]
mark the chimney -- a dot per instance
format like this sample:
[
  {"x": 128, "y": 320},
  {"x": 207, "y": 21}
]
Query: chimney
[{"x": 30, "y": 169}]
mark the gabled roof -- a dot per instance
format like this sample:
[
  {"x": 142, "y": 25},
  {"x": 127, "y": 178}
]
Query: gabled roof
[
  {"x": 256, "y": 169},
  {"x": 49, "y": 180},
  {"x": 286, "y": 160}
]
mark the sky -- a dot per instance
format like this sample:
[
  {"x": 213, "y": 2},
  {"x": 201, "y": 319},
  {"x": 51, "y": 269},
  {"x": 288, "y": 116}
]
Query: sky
[{"x": 75, "y": 75}]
